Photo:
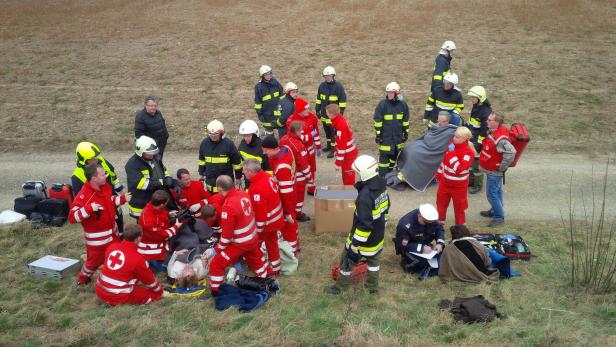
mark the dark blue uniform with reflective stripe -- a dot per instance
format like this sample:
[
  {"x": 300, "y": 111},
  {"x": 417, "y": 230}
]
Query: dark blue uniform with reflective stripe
[
  {"x": 267, "y": 95},
  {"x": 391, "y": 123},
  {"x": 329, "y": 93},
  {"x": 218, "y": 158}
]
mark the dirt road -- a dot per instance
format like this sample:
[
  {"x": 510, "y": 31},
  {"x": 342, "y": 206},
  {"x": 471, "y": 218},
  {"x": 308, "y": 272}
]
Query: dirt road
[{"x": 537, "y": 189}]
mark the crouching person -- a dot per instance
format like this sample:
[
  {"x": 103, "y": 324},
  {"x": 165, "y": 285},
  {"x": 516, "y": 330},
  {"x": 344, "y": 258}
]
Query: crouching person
[
  {"x": 466, "y": 259},
  {"x": 419, "y": 232},
  {"x": 367, "y": 233},
  {"x": 123, "y": 269}
]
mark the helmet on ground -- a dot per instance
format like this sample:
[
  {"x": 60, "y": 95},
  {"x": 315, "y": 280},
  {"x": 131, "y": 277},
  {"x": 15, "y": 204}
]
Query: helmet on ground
[
  {"x": 451, "y": 78},
  {"x": 85, "y": 151},
  {"x": 214, "y": 127},
  {"x": 478, "y": 92},
  {"x": 289, "y": 87},
  {"x": 448, "y": 45},
  {"x": 393, "y": 87},
  {"x": 329, "y": 71},
  {"x": 249, "y": 127},
  {"x": 145, "y": 144},
  {"x": 366, "y": 167},
  {"x": 428, "y": 212},
  {"x": 264, "y": 69}
]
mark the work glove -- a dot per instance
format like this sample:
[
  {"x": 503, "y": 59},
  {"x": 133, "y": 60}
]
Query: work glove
[
  {"x": 451, "y": 147},
  {"x": 289, "y": 219},
  {"x": 128, "y": 196},
  {"x": 351, "y": 255},
  {"x": 195, "y": 207},
  {"x": 96, "y": 207},
  {"x": 319, "y": 152},
  {"x": 378, "y": 140},
  {"x": 209, "y": 253}
]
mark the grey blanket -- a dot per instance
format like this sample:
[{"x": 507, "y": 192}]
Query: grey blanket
[{"x": 419, "y": 160}]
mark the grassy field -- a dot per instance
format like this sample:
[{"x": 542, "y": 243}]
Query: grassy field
[
  {"x": 74, "y": 70},
  {"x": 540, "y": 309}
]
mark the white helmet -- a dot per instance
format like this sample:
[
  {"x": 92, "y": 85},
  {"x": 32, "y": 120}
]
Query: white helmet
[
  {"x": 249, "y": 127},
  {"x": 448, "y": 45},
  {"x": 264, "y": 69},
  {"x": 428, "y": 212},
  {"x": 479, "y": 92},
  {"x": 214, "y": 127},
  {"x": 366, "y": 167},
  {"x": 393, "y": 87},
  {"x": 451, "y": 78},
  {"x": 145, "y": 144},
  {"x": 329, "y": 71},
  {"x": 289, "y": 87}
]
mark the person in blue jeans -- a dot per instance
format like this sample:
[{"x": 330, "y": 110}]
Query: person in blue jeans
[{"x": 496, "y": 155}]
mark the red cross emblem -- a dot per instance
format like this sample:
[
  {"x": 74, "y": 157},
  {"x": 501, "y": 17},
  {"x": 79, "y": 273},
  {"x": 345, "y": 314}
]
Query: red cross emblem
[
  {"x": 115, "y": 260},
  {"x": 273, "y": 184},
  {"x": 246, "y": 206}
]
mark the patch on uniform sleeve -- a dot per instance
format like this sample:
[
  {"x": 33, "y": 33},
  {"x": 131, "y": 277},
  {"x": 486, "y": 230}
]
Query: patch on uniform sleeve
[
  {"x": 304, "y": 153},
  {"x": 257, "y": 197},
  {"x": 338, "y": 133},
  {"x": 223, "y": 215},
  {"x": 467, "y": 157}
]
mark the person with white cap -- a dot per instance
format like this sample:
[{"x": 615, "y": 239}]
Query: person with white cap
[
  {"x": 442, "y": 63},
  {"x": 419, "y": 232},
  {"x": 267, "y": 93},
  {"x": 218, "y": 156},
  {"x": 330, "y": 92},
  {"x": 367, "y": 234},
  {"x": 286, "y": 107},
  {"x": 445, "y": 97}
]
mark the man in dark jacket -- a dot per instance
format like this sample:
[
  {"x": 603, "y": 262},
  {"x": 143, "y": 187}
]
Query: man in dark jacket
[
  {"x": 286, "y": 107},
  {"x": 330, "y": 92},
  {"x": 416, "y": 232},
  {"x": 267, "y": 93},
  {"x": 218, "y": 156},
  {"x": 367, "y": 233},
  {"x": 442, "y": 63},
  {"x": 445, "y": 97},
  {"x": 391, "y": 122},
  {"x": 478, "y": 123},
  {"x": 150, "y": 122}
]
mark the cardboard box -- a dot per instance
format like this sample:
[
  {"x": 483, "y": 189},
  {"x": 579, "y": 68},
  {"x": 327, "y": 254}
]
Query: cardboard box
[
  {"x": 334, "y": 206},
  {"x": 53, "y": 267}
]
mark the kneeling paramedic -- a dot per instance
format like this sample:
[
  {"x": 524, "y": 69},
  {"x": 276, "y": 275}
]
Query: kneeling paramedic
[{"x": 366, "y": 237}]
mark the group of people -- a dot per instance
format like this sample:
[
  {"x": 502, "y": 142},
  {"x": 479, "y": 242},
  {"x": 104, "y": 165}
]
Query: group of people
[{"x": 249, "y": 197}]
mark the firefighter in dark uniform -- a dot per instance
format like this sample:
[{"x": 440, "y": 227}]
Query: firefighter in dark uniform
[
  {"x": 330, "y": 92},
  {"x": 88, "y": 153},
  {"x": 442, "y": 63},
  {"x": 250, "y": 146},
  {"x": 445, "y": 97},
  {"x": 391, "y": 122},
  {"x": 366, "y": 238},
  {"x": 267, "y": 94},
  {"x": 286, "y": 107},
  {"x": 478, "y": 123},
  {"x": 218, "y": 156},
  {"x": 419, "y": 232},
  {"x": 145, "y": 174}
]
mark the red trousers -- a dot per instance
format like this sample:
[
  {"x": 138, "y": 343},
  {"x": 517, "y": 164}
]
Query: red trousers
[
  {"x": 139, "y": 296},
  {"x": 231, "y": 255},
  {"x": 95, "y": 258},
  {"x": 459, "y": 195},
  {"x": 310, "y": 187},
  {"x": 348, "y": 175},
  {"x": 290, "y": 232},
  {"x": 300, "y": 190},
  {"x": 273, "y": 252}
]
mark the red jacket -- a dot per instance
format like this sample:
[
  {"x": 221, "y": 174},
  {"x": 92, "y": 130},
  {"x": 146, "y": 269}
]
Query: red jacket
[
  {"x": 310, "y": 130},
  {"x": 302, "y": 164},
  {"x": 123, "y": 268},
  {"x": 98, "y": 227},
  {"x": 489, "y": 158},
  {"x": 195, "y": 193},
  {"x": 283, "y": 167},
  {"x": 345, "y": 143},
  {"x": 454, "y": 169},
  {"x": 156, "y": 232},
  {"x": 237, "y": 221},
  {"x": 263, "y": 192}
]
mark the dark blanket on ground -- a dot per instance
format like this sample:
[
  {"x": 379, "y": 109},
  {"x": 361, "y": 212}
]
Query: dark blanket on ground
[
  {"x": 246, "y": 300},
  {"x": 419, "y": 160}
]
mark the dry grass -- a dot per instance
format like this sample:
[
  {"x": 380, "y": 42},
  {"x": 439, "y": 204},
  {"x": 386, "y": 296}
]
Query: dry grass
[{"x": 75, "y": 70}]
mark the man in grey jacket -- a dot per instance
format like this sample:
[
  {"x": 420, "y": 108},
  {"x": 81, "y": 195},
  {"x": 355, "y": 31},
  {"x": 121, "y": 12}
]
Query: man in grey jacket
[
  {"x": 150, "y": 122},
  {"x": 496, "y": 155}
]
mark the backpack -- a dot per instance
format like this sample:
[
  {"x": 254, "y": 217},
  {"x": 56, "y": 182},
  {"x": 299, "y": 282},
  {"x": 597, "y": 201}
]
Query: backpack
[
  {"x": 518, "y": 136},
  {"x": 36, "y": 188},
  {"x": 50, "y": 212},
  {"x": 61, "y": 191},
  {"x": 510, "y": 245},
  {"x": 26, "y": 204}
]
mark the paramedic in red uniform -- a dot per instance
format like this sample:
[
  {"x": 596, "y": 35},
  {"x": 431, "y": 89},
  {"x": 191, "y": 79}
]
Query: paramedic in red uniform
[
  {"x": 453, "y": 176},
  {"x": 156, "y": 230},
  {"x": 239, "y": 237},
  {"x": 346, "y": 151},
  {"x": 123, "y": 269},
  {"x": 95, "y": 208},
  {"x": 283, "y": 168},
  {"x": 193, "y": 195},
  {"x": 310, "y": 137},
  {"x": 263, "y": 192},
  {"x": 303, "y": 173}
]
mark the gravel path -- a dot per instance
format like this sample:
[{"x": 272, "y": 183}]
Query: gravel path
[{"x": 537, "y": 189}]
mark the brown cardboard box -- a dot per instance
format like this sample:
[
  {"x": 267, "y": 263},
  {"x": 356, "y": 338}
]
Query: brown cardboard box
[{"x": 334, "y": 206}]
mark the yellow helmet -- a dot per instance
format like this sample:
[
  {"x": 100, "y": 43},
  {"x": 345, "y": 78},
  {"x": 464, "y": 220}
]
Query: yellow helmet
[
  {"x": 85, "y": 151},
  {"x": 479, "y": 92}
]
